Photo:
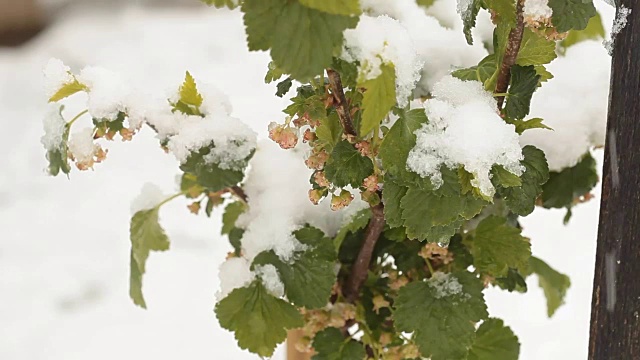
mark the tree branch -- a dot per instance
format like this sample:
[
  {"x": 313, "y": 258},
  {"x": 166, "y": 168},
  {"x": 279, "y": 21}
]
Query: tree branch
[
  {"x": 360, "y": 269},
  {"x": 340, "y": 103},
  {"x": 510, "y": 54},
  {"x": 239, "y": 192}
]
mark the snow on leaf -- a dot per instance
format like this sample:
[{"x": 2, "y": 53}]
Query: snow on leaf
[
  {"x": 309, "y": 275},
  {"x": 468, "y": 10},
  {"x": 231, "y": 214},
  {"x": 504, "y": 178},
  {"x": 521, "y": 200},
  {"x": 442, "y": 326},
  {"x": 210, "y": 175},
  {"x": 259, "y": 320},
  {"x": 399, "y": 141}
]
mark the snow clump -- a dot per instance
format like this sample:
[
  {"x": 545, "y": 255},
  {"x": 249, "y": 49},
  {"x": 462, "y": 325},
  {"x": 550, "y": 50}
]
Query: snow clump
[{"x": 464, "y": 129}]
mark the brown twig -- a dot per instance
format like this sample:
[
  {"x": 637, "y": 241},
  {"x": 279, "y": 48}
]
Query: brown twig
[
  {"x": 360, "y": 269},
  {"x": 239, "y": 192},
  {"x": 510, "y": 54},
  {"x": 340, "y": 103}
]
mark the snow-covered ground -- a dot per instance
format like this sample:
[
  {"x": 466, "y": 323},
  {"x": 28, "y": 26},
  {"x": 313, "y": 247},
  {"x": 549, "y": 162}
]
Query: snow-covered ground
[{"x": 64, "y": 247}]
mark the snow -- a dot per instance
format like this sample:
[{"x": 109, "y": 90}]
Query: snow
[
  {"x": 233, "y": 140},
  {"x": 444, "y": 285},
  {"x": 441, "y": 49},
  {"x": 464, "y": 8},
  {"x": 271, "y": 280},
  {"x": 537, "y": 11},
  {"x": 618, "y": 24},
  {"x": 463, "y": 113},
  {"x": 64, "y": 280},
  {"x": 82, "y": 147},
  {"x": 108, "y": 92},
  {"x": 54, "y": 127},
  {"x": 56, "y": 75},
  {"x": 150, "y": 196},
  {"x": 234, "y": 273},
  {"x": 382, "y": 40},
  {"x": 277, "y": 186},
  {"x": 573, "y": 104}
]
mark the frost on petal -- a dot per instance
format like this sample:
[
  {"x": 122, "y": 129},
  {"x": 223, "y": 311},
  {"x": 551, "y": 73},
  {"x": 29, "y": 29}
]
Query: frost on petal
[
  {"x": 54, "y": 128},
  {"x": 270, "y": 279},
  {"x": 232, "y": 140},
  {"x": 56, "y": 75},
  {"x": 378, "y": 40},
  {"x": 537, "y": 12},
  {"x": 83, "y": 148},
  {"x": 464, "y": 130},
  {"x": 150, "y": 196},
  {"x": 234, "y": 273}
]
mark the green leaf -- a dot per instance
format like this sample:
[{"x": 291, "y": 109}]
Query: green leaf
[
  {"x": 521, "y": 200},
  {"x": 330, "y": 344},
  {"x": 481, "y": 72},
  {"x": 283, "y": 87},
  {"x": 189, "y": 92},
  {"x": 231, "y": 214},
  {"x": 503, "y": 10},
  {"x": 347, "y": 166},
  {"x": 497, "y": 246},
  {"x": 379, "y": 98},
  {"x": 337, "y": 7},
  {"x": 58, "y": 158},
  {"x": 535, "y": 49},
  {"x": 571, "y": 14},
  {"x": 359, "y": 221},
  {"x": 545, "y": 75},
  {"x": 273, "y": 73},
  {"x": 593, "y": 31},
  {"x": 329, "y": 131},
  {"x": 231, "y": 4},
  {"x": 301, "y": 39},
  {"x": 565, "y": 186},
  {"x": 441, "y": 321},
  {"x": 524, "y": 81},
  {"x": 309, "y": 276},
  {"x": 67, "y": 90},
  {"x": 425, "y": 3},
  {"x": 210, "y": 175},
  {"x": 504, "y": 177},
  {"x": 494, "y": 341},
  {"x": 399, "y": 141},
  {"x": 513, "y": 281},
  {"x": 259, "y": 320},
  {"x": 392, "y": 195},
  {"x": 469, "y": 18},
  {"x": 146, "y": 235},
  {"x": 535, "y": 123},
  {"x": 553, "y": 283}
]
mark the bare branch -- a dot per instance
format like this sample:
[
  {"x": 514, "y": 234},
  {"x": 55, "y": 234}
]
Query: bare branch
[{"x": 360, "y": 268}]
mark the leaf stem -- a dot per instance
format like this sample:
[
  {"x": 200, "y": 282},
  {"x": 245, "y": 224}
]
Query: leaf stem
[
  {"x": 170, "y": 198},
  {"x": 510, "y": 54},
  {"x": 239, "y": 193},
  {"x": 77, "y": 117},
  {"x": 341, "y": 104},
  {"x": 430, "y": 266}
]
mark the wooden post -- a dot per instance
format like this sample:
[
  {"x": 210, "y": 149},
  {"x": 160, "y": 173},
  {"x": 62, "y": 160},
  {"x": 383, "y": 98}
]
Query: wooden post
[{"x": 615, "y": 309}]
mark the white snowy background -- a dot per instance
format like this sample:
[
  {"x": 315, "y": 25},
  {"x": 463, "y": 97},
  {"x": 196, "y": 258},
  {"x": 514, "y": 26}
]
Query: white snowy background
[{"x": 64, "y": 247}]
